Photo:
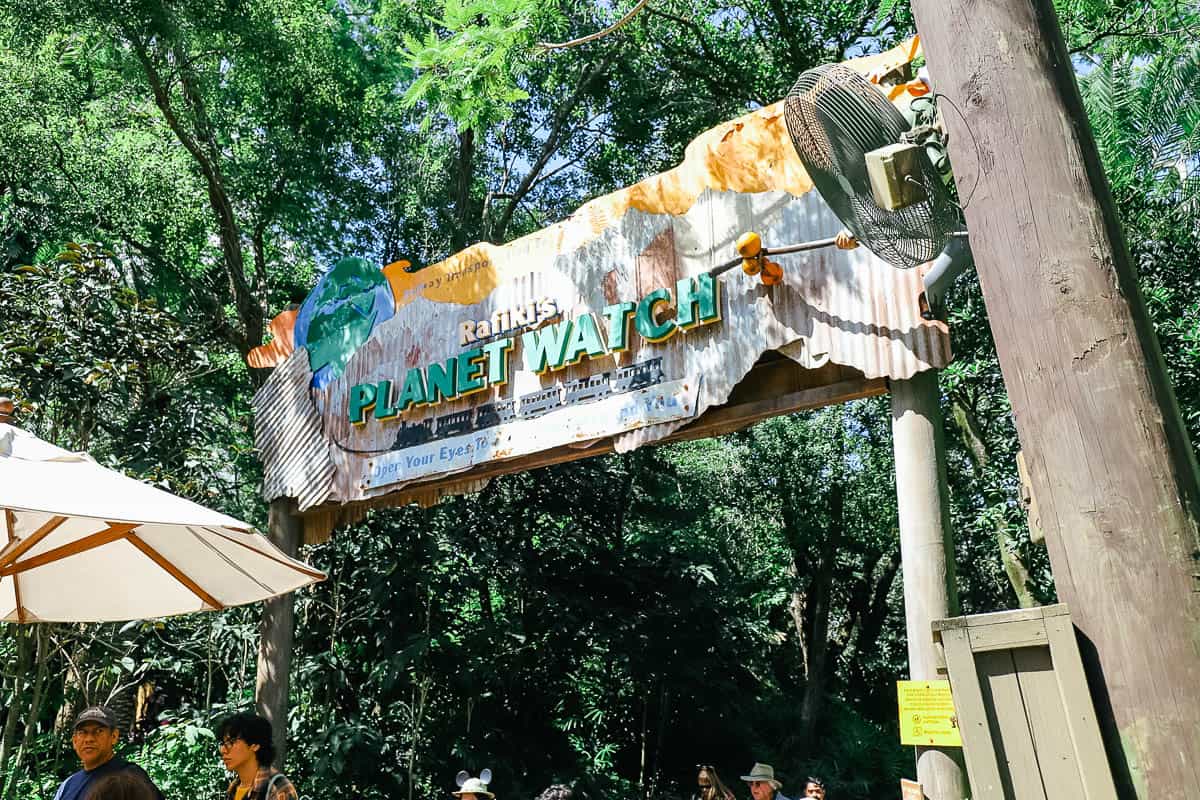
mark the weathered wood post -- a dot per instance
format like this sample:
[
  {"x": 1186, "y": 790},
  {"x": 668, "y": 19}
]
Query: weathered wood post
[
  {"x": 1108, "y": 456},
  {"x": 277, "y": 631},
  {"x": 927, "y": 554}
]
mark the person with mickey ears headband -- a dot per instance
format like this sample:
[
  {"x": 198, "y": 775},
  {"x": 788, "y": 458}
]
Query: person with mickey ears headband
[{"x": 473, "y": 788}]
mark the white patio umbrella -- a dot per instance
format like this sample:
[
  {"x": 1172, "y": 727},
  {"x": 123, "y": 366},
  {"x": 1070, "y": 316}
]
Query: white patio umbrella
[{"x": 82, "y": 543}]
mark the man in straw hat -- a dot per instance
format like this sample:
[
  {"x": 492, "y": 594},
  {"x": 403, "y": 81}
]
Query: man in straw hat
[
  {"x": 763, "y": 785},
  {"x": 473, "y": 788}
]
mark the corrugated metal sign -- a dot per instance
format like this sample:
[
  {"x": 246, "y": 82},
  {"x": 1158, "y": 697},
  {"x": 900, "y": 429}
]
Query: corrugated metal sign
[
  {"x": 598, "y": 327},
  {"x": 668, "y": 402}
]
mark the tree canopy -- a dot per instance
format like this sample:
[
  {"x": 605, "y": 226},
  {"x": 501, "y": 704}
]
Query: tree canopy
[{"x": 173, "y": 173}]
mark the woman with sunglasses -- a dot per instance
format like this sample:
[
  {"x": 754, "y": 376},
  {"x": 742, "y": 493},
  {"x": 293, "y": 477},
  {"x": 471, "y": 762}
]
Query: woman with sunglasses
[{"x": 710, "y": 786}]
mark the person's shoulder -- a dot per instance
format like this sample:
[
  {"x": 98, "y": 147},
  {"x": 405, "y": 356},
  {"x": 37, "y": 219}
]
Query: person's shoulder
[
  {"x": 74, "y": 776},
  {"x": 136, "y": 769},
  {"x": 280, "y": 787},
  {"x": 125, "y": 765},
  {"x": 279, "y": 778}
]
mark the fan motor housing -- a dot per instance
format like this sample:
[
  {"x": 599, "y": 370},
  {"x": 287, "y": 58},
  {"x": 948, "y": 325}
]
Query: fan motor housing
[{"x": 895, "y": 174}]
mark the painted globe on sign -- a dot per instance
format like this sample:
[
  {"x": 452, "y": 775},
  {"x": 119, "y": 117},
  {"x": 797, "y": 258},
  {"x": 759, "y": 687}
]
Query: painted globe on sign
[{"x": 348, "y": 303}]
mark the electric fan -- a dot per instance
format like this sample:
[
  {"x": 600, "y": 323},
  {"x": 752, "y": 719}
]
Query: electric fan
[{"x": 874, "y": 171}]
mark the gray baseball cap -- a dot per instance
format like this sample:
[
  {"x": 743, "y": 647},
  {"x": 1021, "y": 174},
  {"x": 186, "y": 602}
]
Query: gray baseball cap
[{"x": 98, "y": 714}]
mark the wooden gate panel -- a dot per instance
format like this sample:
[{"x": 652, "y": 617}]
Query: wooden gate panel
[
  {"x": 1047, "y": 722},
  {"x": 1009, "y": 726},
  {"x": 1028, "y": 726}
]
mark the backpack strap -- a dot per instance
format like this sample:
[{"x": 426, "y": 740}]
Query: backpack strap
[{"x": 271, "y": 785}]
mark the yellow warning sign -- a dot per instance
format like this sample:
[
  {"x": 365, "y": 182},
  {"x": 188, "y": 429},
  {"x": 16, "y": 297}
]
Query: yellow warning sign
[{"x": 927, "y": 714}]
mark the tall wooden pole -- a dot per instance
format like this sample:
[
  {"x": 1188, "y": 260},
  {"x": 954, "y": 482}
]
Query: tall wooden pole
[
  {"x": 926, "y": 553},
  {"x": 277, "y": 632},
  {"x": 1108, "y": 457}
]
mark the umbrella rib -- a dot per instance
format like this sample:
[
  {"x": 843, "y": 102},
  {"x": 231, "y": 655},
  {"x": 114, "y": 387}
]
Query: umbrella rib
[
  {"x": 175, "y": 572},
  {"x": 114, "y": 532},
  {"x": 229, "y": 561},
  {"x": 320, "y": 576},
  {"x": 25, "y": 544},
  {"x": 10, "y": 524}
]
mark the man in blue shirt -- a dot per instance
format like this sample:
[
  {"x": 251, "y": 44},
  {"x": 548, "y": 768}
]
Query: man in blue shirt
[{"x": 94, "y": 738}]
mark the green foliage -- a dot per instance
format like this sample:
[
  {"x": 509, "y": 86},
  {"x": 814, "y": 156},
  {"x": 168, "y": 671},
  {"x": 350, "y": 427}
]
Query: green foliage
[
  {"x": 1146, "y": 119},
  {"x": 179, "y": 758},
  {"x": 608, "y": 622},
  {"x": 469, "y": 64}
]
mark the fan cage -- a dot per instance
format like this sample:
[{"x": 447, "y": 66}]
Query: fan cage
[{"x": 835, "y": 117}]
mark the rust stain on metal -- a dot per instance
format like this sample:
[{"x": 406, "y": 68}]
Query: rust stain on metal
[{"x": 836, "y": 314}]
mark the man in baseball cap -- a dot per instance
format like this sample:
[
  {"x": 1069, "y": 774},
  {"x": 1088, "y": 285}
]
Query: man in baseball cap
[{"x": 94, "y": 737}]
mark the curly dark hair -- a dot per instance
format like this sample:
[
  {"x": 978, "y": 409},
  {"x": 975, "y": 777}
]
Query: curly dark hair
[
  {"x": 123, "y": 785},
  {"x": 251, "y": 729}
]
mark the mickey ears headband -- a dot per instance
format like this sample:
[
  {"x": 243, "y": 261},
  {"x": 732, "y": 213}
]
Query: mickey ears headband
[{"x": 485, "y": 777}]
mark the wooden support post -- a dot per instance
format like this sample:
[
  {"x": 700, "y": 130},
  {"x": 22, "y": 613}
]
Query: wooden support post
[
  {"x": 927, "y": 554},
  {"x": 1108, "y": 456},
  {"x": 278, "y": 632}
]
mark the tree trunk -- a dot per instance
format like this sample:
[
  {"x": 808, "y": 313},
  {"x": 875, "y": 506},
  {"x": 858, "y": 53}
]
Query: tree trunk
[
  {"x": 1014, "y": 566},
  {"x": 35, "y": 705},
  {"x": 1108, "y": 456},
  {"x": 876, "y": 613},
  {"x": 12, "y": 715},
  {"x": 462, "y": 193},
  {"x": 818, "y": 633},
  {"x": 277, "y": 632}
]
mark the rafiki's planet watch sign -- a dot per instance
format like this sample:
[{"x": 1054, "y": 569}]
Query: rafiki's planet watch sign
[
  {"x": 594, "y": 334},
  {"x": 551, "y": 348}
]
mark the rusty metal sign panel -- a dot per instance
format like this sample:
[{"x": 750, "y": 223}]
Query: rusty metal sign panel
[
  {"x": 666, "y": 402},
  {"x": 605, "y": 326}
]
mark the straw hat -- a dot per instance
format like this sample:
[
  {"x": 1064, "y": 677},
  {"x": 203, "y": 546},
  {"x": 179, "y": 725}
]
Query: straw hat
[
  {"x": 476, "y": 786},
  {"x": 762, "y": 772}
]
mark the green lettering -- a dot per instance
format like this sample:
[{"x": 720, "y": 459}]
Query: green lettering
[
  {"x": 470, "y": 372},
  {"x": 650, "y": 329},
  {"x": 414, "y": 393},
  {"x": 442, "y": 379},
  {"x": 584, "y": 340},
  {"x": 362, "y": 398},
  {"x": 697, "y": 301},
  {"x": 497, "y": 358},
  {"x": 618, "y": 316},
  {"x": 546, "y": 347},
  {"x": 383, "y": 396}
]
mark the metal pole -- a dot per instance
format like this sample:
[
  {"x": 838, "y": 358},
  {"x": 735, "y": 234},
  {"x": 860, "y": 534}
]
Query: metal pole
[{"x": 927, "y": 554}]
